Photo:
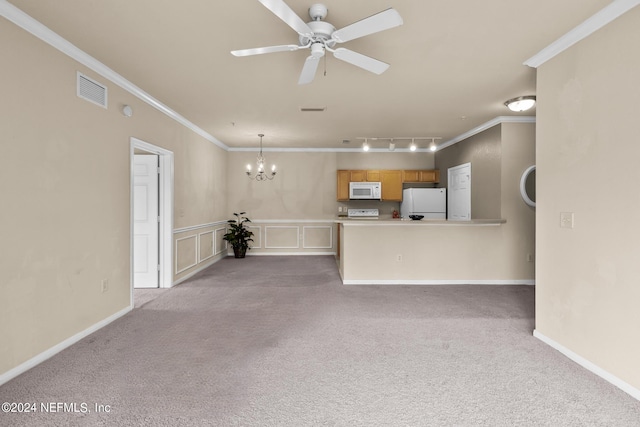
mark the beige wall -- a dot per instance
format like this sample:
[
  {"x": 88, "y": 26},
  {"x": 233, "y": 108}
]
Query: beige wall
[
  {"x": 305, "y": 186},
  {"x": 498, "y": 157},
  {"x": 587, "y": 296},
  {"x": 484, "y": 152},
  {"x": 431, "y": 254},
  {"x": 64, "y": 182},
  {"x": 386, "y": 160},
  {"x": 518, "y": 153}
]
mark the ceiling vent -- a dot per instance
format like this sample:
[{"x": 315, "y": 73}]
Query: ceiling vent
[
  {"x": 91, "y": 90},
  {"x": 312, "y": 109}
]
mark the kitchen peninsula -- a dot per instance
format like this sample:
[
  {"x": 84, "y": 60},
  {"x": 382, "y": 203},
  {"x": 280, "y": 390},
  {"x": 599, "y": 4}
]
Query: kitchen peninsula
[{"x": 430, "y": 252}]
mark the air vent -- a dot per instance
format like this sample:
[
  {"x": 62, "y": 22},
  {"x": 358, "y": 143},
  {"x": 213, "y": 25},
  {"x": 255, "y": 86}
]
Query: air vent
[
  {"x": 312, "y": 109},
  {"x": 91, "y": 90}
]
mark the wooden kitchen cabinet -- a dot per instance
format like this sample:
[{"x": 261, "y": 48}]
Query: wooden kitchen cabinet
[
  {"x": 344, "y": 177},
  {"x": 391, "y": 185},
  {"x": 358, "y": 176},
  {"x": 391, "y": 180},
  {"x": 432, "y": 176},
  {"x": 373, "y": 176}
]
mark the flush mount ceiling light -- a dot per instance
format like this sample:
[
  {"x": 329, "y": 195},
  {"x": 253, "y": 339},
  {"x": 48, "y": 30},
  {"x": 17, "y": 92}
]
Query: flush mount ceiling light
[
  {"x": 521, "y": 103},
  {"x": 260, "y": 174}
]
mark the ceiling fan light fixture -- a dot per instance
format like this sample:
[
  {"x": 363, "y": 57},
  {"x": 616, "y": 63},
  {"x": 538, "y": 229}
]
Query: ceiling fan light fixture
[
  {"x": 521, "y": 103},
  {"x": 320, "y": 36},
  {"x": 317, "y": 50}
]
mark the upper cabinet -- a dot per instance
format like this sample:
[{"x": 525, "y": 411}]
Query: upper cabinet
[
  {"x": 391, "y": 180},
  {"x": 421, "y": 176},
  {"x": 344, "y": 177},
  {"x": 364, "y": 175},
  {"x": 391, "y": 185},
  {"x": 358, "y": 176}
]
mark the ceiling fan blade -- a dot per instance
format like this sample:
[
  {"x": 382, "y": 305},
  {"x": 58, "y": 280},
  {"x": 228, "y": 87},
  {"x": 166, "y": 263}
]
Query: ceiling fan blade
[
  {"x": 360, "y": 60},
  {"x": 269, "y": 49},
  {"x": 309, "y": 70},
  {"x": 384, "y": 20},
  {"x": 284, "y": 12}
]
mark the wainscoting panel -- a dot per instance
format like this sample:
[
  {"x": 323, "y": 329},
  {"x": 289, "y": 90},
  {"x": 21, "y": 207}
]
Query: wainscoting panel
[
  {"x": 317, "y": 237},
  {"x": 205, "y": 246},
  {"x": 281, "y": 237},
  {"x": 186, "y": 253},
  {"x": 257, "y": 236},
  {"x": 221, "y": 244}
]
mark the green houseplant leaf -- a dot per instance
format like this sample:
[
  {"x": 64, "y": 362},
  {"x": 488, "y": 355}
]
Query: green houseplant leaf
[{"x": 238, "y": 235}]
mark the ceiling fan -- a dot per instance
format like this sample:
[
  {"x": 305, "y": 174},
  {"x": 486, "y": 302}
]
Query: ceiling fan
[{"x": 320, "y": 36}]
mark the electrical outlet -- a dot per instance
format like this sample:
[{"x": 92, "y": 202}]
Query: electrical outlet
[
  {"x": 566, "y": 219},
  {"x": 339, "y": 208},
  {"x": 104, "y": 285},
  {"x": 399, "y": 257}
]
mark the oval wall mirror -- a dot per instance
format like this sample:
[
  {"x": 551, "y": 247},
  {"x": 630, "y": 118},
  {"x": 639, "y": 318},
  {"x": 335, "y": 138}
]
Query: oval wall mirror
[{"x": 528, "y": 186}]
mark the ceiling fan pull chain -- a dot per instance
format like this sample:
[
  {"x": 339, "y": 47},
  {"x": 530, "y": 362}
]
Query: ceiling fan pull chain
[{"x": 325, "y": 65}]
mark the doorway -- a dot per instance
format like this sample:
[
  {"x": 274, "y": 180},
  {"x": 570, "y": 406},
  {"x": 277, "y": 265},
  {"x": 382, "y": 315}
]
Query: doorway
[{"x": 151, "y": 198}]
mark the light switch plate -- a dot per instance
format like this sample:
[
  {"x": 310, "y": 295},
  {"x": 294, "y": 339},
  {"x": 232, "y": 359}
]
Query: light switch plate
[{"x": 566, "y": 219}]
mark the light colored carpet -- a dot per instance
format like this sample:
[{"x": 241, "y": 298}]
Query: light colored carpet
[{"x": 278, "y": 341}]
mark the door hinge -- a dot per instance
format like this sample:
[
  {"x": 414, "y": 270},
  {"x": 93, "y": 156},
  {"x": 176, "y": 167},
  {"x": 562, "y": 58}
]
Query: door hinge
[
  {"x": 158, "y": 267},
  {"x": 158, "y": 219}
]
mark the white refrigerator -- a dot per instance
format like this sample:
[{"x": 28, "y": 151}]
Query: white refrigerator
[{"x": 430, "y": 202}]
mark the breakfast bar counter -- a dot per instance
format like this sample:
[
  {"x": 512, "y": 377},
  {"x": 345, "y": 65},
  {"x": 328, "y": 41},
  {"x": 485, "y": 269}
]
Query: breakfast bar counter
[{"x": 430, "y": 252}]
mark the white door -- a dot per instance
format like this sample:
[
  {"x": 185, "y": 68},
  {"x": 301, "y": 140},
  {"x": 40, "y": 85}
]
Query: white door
[
  {"x": 145, "y": 221},
  {"x": 459, "y": 191}
]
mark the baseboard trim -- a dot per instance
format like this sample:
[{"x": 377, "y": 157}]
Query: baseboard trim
[
  {"x": 438, "y": 282},
  {"x": 289, "y": 253},
  {"x": 627, "y": 388},
  {"x": 198, "y": 270},
  {"x": 34, "y": 361}
]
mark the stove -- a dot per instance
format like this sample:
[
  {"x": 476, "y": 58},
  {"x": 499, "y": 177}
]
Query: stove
[{"x": 363, "y": 213}]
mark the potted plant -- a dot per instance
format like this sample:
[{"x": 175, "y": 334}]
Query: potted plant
[{"x": 238, "y": 235}]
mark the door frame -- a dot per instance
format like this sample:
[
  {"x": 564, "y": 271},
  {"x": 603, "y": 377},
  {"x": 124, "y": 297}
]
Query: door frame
[{"x": 165, "y": 211}]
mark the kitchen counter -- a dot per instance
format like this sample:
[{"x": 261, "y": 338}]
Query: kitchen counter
[
  {"x": 391, "y": 251},
  {"x": 356, "y": 221}
]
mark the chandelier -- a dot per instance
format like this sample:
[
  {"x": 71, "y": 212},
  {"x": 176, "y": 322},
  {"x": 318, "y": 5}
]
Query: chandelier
[{"x": 260, "y": 174}]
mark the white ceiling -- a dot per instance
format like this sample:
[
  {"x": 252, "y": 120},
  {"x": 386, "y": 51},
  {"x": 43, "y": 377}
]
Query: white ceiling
[{"x": 453, "y": 63}]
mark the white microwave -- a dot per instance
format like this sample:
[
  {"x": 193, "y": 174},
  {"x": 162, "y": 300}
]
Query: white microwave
[{"x": 365, "y": 190}]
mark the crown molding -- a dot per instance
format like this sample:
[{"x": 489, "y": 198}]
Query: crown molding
[
  {"x": 487, "y": 125},
  {"x": 327, "y": 150},
  {"x": 588, "y": 27},
  {"x": 27, "y": 23}
]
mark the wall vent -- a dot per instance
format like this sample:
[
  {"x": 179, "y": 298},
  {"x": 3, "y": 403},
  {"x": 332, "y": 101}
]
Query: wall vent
[
  {"x": 91, "y": 90},
  {"x": 312, "y": 109}
]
